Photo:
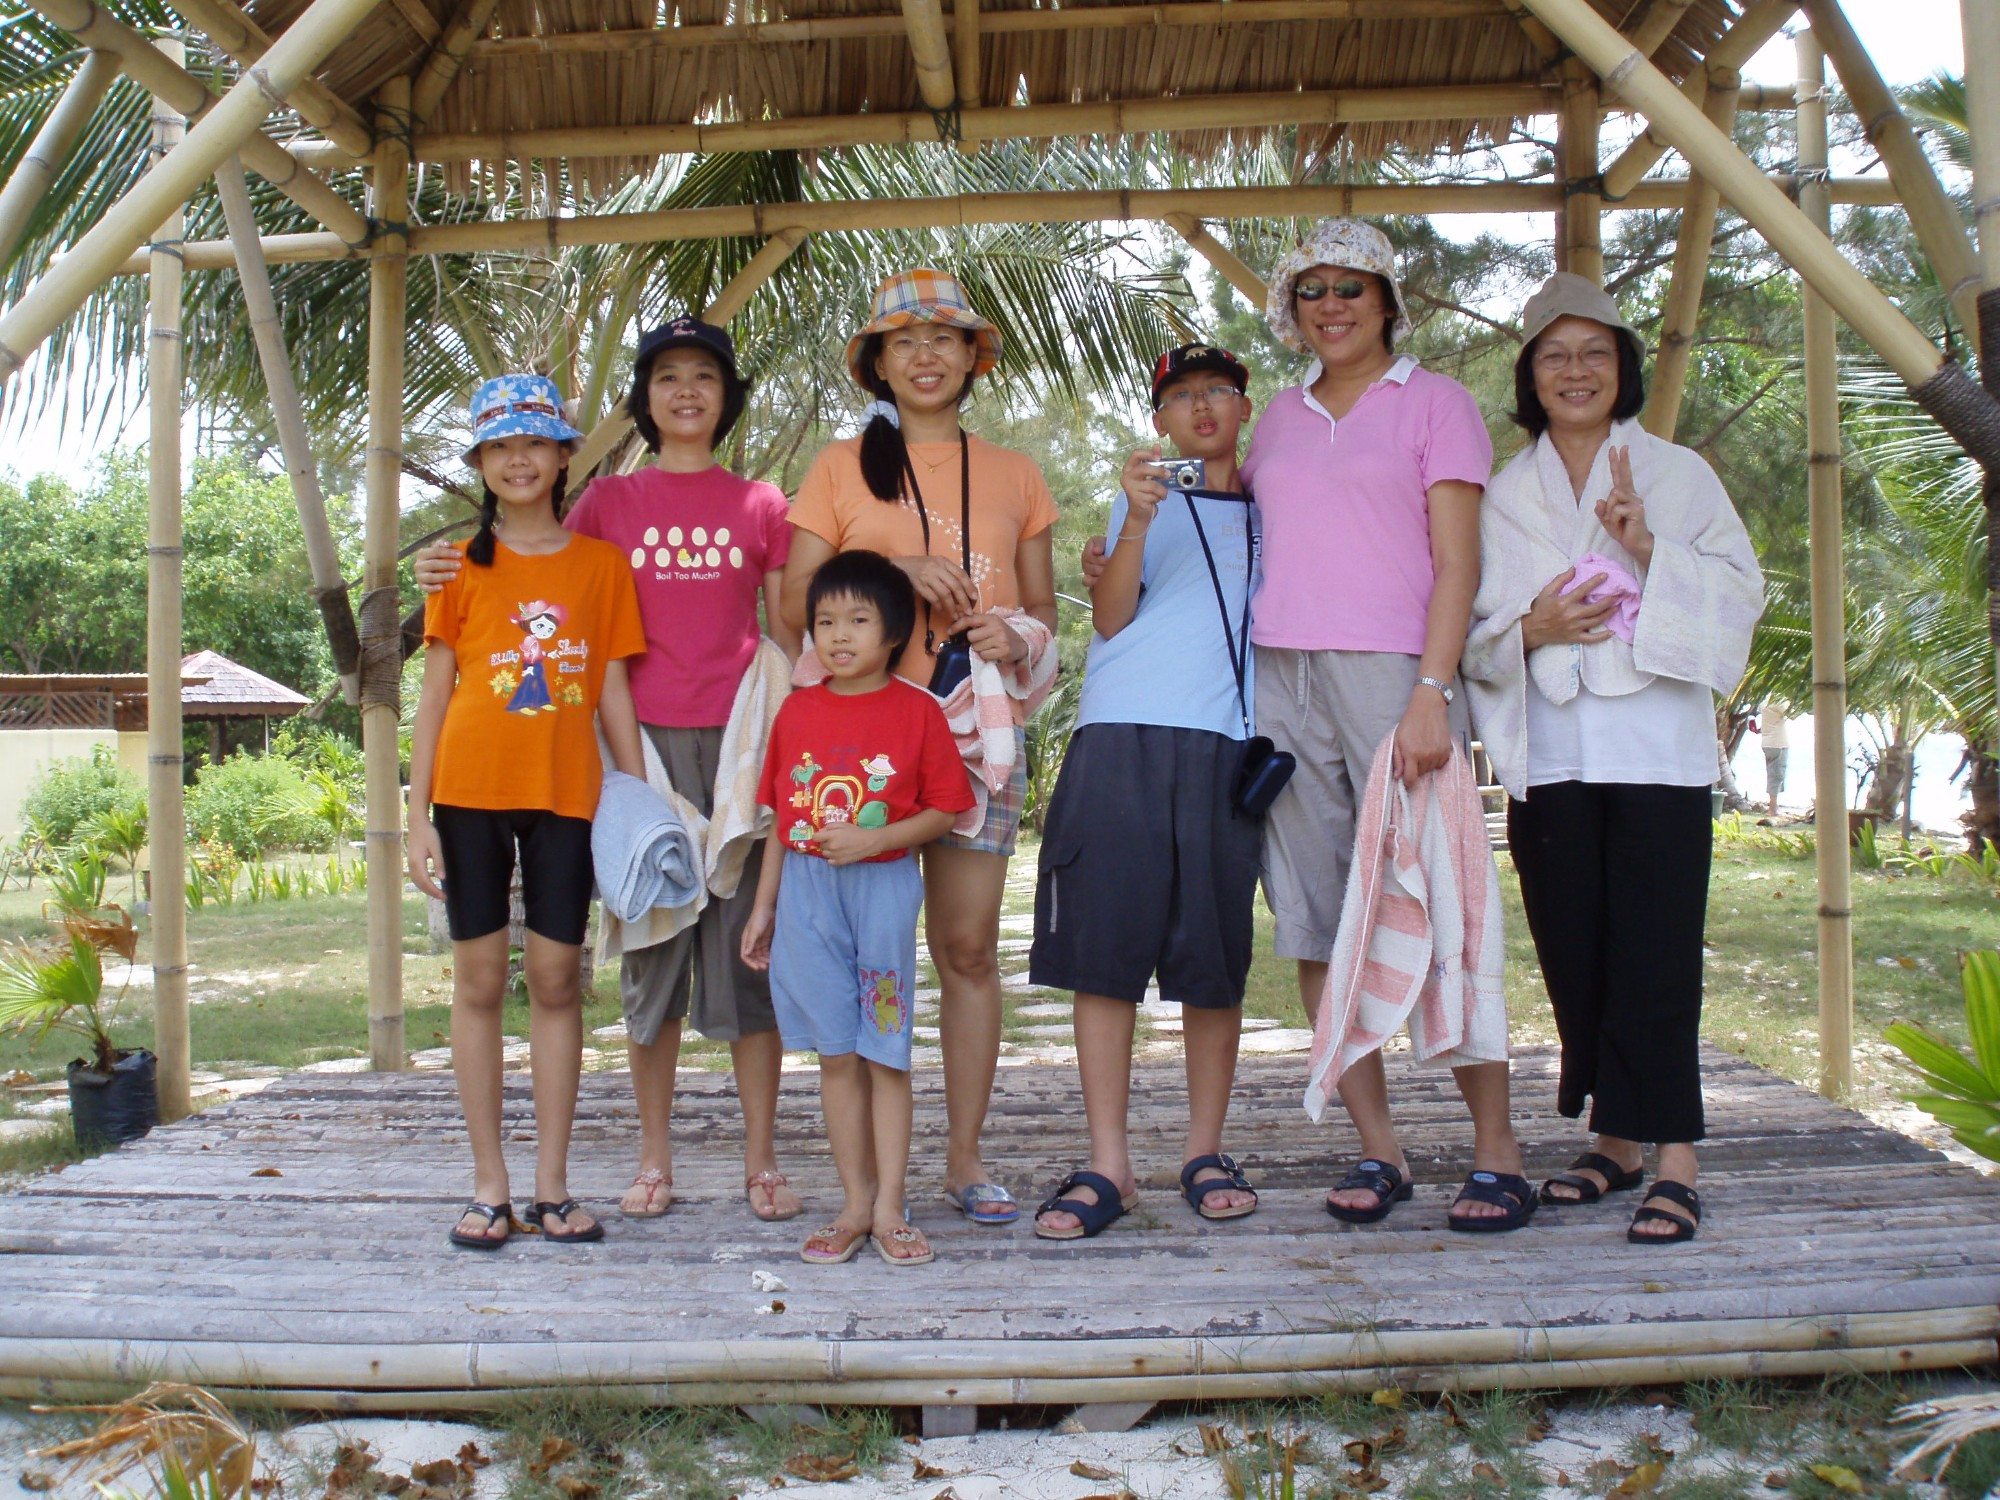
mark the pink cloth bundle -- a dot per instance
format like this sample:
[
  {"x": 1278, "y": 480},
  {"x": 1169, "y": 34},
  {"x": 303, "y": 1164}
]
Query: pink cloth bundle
[{"x": 1618, "y": 584}]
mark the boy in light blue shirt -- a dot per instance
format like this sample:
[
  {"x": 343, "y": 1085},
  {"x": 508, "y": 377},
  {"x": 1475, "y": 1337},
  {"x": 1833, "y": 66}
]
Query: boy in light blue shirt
[{"x": 1147, "y": 868}]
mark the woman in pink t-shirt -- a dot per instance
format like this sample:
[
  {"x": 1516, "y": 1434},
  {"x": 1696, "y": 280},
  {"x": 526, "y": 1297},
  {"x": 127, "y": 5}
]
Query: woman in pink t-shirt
[
  {"x": 1367, "y": 477},
  {"x": 707, "y": 547}
]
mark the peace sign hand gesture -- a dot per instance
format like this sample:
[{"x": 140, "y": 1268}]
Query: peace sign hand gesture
[{"x": 1623, "y": 513}]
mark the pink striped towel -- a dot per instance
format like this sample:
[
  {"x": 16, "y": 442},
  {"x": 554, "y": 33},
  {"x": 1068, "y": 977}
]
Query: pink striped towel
[{"x": 1419, "y": 941}]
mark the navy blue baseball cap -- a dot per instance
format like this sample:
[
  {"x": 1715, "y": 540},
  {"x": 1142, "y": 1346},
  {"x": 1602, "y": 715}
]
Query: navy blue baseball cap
[{"x": 686, "y": 332}]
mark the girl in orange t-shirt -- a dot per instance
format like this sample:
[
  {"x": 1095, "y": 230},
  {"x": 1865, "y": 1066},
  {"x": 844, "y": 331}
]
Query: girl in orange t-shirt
[
  {"x": 970, "y": 523},
  {"x": 524, "y": 651}
]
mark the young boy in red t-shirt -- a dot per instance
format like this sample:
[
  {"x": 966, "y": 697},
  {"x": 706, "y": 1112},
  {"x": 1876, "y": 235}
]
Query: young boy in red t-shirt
[{"x": 861, "y": 769}]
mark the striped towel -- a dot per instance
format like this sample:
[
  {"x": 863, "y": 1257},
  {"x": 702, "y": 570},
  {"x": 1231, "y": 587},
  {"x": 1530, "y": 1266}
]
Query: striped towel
[
  {"x": 985, "y": 711},
  {"x": 1420, "y": 941}
]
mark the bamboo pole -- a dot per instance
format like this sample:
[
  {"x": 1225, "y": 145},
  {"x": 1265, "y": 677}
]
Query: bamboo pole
[
  {"x": 977, "y": 208},
  {"x": 930, "y": 50},
  {"x": 51, "y": 148},
  {"x": 728, "y": 302},
  {"x": 1710, "y": 152},
  {"x": 1757, "y": 24},
  {"x": 381, "y": 612},
  {"x": 1933, "y": 215},
  {"x": 1582, "y": 249},
  {"x": 229, "y": 26},
  {"x": 1224, "y": 260},
  {"x": 1981, "y": 20},
  {"x": 1658, "y": 24},
  {"x": 165, "y": 823},
  {"x": 128, "y": 222},
  {"x": 1829, "y": 598},
  {"x": 94, "y": 26},
  {"x": 1693, "y": 239},
  {"x": 965, "y": 44},
  {"x": 294, "y": 441},
  {"x": 998, "y": 122},
  {"x": 442, "y": 66}
]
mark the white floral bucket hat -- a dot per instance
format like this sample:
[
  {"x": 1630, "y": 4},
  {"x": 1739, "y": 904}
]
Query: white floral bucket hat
[{"x": 1347, "y": 243}]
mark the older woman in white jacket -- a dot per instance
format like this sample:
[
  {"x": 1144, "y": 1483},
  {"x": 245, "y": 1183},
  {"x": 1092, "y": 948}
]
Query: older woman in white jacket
[{"x": 1617, "y": 595}]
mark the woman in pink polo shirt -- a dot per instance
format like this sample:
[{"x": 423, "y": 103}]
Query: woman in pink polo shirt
[{"x": 1367, "y": 477}]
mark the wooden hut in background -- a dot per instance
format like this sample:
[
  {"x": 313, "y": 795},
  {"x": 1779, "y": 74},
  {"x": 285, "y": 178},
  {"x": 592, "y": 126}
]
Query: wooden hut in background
[
  {"x": 229, "y": 691},
  {"x": 361, "y": 92}
]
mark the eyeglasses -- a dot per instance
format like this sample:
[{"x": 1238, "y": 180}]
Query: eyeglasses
[
  {"x": 1347, "y": 289},
  {"x": 1213, "y": 395},
  {"x": 1594, "y": 357},
  {"x": 904, "y": 346}
]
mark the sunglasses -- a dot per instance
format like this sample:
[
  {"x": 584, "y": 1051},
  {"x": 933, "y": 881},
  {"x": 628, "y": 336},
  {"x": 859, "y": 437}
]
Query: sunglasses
[{"x": 1347, "y": 289}]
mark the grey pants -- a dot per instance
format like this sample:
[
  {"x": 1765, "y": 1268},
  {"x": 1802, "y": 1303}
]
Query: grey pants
[{"x": 697, "y": 975}]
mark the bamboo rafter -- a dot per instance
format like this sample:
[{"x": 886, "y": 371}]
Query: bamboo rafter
[
  {"x": 51, "y": 147},
  {"x": 930, "y": 50},
  {"x": 1226, "y": 263},
  {"x": 447, "y": 57},
  {"x": 229, "y": 26}
]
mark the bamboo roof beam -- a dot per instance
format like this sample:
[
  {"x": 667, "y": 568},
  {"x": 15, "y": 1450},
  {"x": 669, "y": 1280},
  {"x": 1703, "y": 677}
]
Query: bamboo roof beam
[
  {"x": 447, "y": 57},
  {"x": 1941, "y": 387},
  {"x": 1183, "y": 13},
  {"x": 1693, "y": 238},
  {"x": 1932, "y": 214},
  {"x": 1758, "y": 23},
  {"x": 1226, "y": 263},
  {"x": 1544, "y": 39},
  {"x": 1581, "y": 248},
  {"x": 1658, "y": 24},
  {"x": 51, "y": 147},
  {"x": 229, "y": 26},
  {"x": 971, "y": 209},
  {"x": 143, "y": 63},
  {"x": 930, "y": 50}
]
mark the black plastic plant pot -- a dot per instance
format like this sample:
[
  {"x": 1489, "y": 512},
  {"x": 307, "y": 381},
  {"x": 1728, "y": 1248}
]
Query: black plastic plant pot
[{"x": 109, "y": 1109}]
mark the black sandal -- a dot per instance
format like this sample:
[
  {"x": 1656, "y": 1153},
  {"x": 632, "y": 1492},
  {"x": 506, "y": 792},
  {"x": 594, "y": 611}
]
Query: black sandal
[
  {"x": 1387, "y": 1183},
  {"x": 539, "y": 1215},
  {"x": 1684, "y": 1225},
  {"x": 1092, "y": 1219},
  {"x": 1197, "y": 1193},
  {"x": 1616, "y": 1178},
  {"x": 493, "y": 1213},
  {"x": 1504, "y": 1190}
]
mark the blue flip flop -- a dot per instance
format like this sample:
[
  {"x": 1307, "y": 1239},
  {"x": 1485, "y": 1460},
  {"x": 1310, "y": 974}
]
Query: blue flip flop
[{"x": 967, "y": 1200}]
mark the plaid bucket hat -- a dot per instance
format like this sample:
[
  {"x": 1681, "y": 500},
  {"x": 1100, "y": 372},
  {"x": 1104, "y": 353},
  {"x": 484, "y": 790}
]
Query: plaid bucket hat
[
  {"x": 925, "y": 296},
  {"x": 509, "y": 405},
  {"x": 1347, "y": 243}
]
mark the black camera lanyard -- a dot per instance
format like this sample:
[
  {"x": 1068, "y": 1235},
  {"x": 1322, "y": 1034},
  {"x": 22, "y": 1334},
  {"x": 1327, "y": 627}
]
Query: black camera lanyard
[
  {"x": 1239, "y": 652},
  {"x": 964, "y": 524}
]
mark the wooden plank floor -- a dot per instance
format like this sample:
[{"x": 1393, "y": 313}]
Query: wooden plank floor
[{"x": 294, "y": 1240}]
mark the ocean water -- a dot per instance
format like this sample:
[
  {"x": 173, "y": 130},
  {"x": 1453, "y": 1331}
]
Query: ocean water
[{"x": 1938, "y": 799}]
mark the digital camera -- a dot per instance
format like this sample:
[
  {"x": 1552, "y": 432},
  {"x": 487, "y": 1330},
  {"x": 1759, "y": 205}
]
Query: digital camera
[
  {"x": 1186, "y": 474},
  {"x": 952, "y": 665}
]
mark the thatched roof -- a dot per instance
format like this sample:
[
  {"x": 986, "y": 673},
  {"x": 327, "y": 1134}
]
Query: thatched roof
[{"x": 542, "y": 65}]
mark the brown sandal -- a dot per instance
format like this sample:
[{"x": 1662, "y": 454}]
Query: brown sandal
[
  {"x": 653, "y": 1180},
  {"x": 770, "y": 1182}
]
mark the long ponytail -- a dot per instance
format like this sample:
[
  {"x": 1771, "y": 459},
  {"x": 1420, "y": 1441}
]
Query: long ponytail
[
  {"x": 480, "y": 549},
  {"x": 884, "y": 454}
]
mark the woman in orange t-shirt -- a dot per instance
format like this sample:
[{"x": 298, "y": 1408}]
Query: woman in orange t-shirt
[
  {"x": 970, "y": 523},
  {"x": 524, "y": 652}
]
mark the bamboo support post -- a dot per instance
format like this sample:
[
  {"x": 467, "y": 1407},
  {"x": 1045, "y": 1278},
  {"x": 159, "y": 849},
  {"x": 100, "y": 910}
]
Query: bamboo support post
[
  {"x": 93, "y": 25},
  {"x": 381, "y": 629},
  {"x": 833, "y": 217},
  {"x": 442, "y": 66},
  {"x": 126, "y": 225},
  {"x": 294, "y": 441},
  {"x": 229, "y": 26},
  {"x": 166, "y": 825},
  {"x": 1758, "y": 23},
  {"x": 1694, "y": 236},
  {"x": 1224, "y": 260},
  {"x": 51, "y": 147},
  {"x": 965, "y": 52},
  {"x": 1829, "y": 601},
  {"x": 1932, "y": 214},
  {"x": 1981, "y": 19},
  {"x": 1658, "y": 24},
  {"x": 1581, "y": 248},
  {"x": 930, "y": 50}
]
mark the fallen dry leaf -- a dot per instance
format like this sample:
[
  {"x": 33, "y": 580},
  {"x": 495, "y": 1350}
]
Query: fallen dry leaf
[
  {"x": 1839, "y": 1477},
  {"x": 1538, "y": 1428},
  {"x": 439, "y": 1471},
  {"x": 1776, "y": 1480},
  {"x": 1449, "y": 1409},
  {"x": 36, "y": 1479},
  {"x": 574, "y": 1488},
  {"x": 1655, "y": 1450},
  {"x": 554, "y": 1451},
  {"x": 1389, "y": 1398},
  {"x": 1640, "y": 1480},
  {"x": 1486, "y": 1471},
  {"x": 396, "y": 1484},
  {"x": 351, "y": 1463},
  {"x": 1084, "y": 1470},
  {"x": 1361, "y": 1451},
  {"x": 818, "y": 1469},
  {"x": 267, "y": 1172},
  {"x": 265, "y": 1483},
  {"x": 1562, "y": 1478},
  {"x": 1213, "y": 1439},
  {"x": 1606, "y": 1468},
  {"x": 18, "y": 1079},
  {"x": 469, "y": 1457},
  {"x": 1651, "y": 1286},
  {"x": 923, "y": 1470},
  {"x": 1368, "y": 1483}
]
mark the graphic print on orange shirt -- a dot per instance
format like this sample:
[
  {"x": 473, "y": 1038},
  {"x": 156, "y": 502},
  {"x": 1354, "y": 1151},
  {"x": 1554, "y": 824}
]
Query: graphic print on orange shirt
[{"x": 529, "y": 688}]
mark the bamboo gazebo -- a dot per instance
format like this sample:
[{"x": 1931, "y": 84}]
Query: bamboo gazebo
[{"x": 336, "y": 102}]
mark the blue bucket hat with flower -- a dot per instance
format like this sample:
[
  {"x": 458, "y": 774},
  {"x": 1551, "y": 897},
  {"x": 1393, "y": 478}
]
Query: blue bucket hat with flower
[{"x": 509, "y": 405}]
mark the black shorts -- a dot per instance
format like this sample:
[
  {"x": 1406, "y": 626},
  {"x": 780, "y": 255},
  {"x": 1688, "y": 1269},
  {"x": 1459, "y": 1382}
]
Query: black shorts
[
  {"x": 1147, "y": 868},
  {"x": 556, "y": 877}
]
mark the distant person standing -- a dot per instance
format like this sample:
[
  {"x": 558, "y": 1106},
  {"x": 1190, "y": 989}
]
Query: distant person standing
[{"x": 1772, "y": 730}]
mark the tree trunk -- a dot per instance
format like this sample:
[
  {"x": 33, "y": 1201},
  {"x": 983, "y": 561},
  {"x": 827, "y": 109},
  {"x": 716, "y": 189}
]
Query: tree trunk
[
  {"x": 1982, "y": 824},
  {"x": 1891, "y": 779}
]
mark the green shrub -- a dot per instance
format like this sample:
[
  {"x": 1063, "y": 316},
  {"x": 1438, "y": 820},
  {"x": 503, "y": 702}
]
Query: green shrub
[
  {"x": 249, "y": 803},
  {"x": 71, "y": 793}
]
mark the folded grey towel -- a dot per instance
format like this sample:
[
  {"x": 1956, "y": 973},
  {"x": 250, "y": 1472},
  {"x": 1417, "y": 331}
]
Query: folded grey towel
[{"x": 641, "y": 851}]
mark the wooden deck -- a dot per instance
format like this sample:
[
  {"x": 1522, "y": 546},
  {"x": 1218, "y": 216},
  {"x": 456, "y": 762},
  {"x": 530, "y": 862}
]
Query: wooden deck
[{"x": 293, "y": 1243}]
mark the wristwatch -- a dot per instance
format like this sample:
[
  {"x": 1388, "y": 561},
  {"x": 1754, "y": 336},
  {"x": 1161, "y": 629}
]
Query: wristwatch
[{"x": 1444, "y": 688}]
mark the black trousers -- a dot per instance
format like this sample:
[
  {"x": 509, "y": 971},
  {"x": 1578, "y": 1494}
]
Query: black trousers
[{"x": 1614, "y": 877}]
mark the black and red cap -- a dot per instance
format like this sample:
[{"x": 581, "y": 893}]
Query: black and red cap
[{"x": 1189, "y": 358}]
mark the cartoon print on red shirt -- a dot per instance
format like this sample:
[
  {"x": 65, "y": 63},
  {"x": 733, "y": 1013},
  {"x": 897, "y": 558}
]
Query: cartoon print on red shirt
[
  {"x": 531, "y": 694},
  {"x": 825, "y": 798}
]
